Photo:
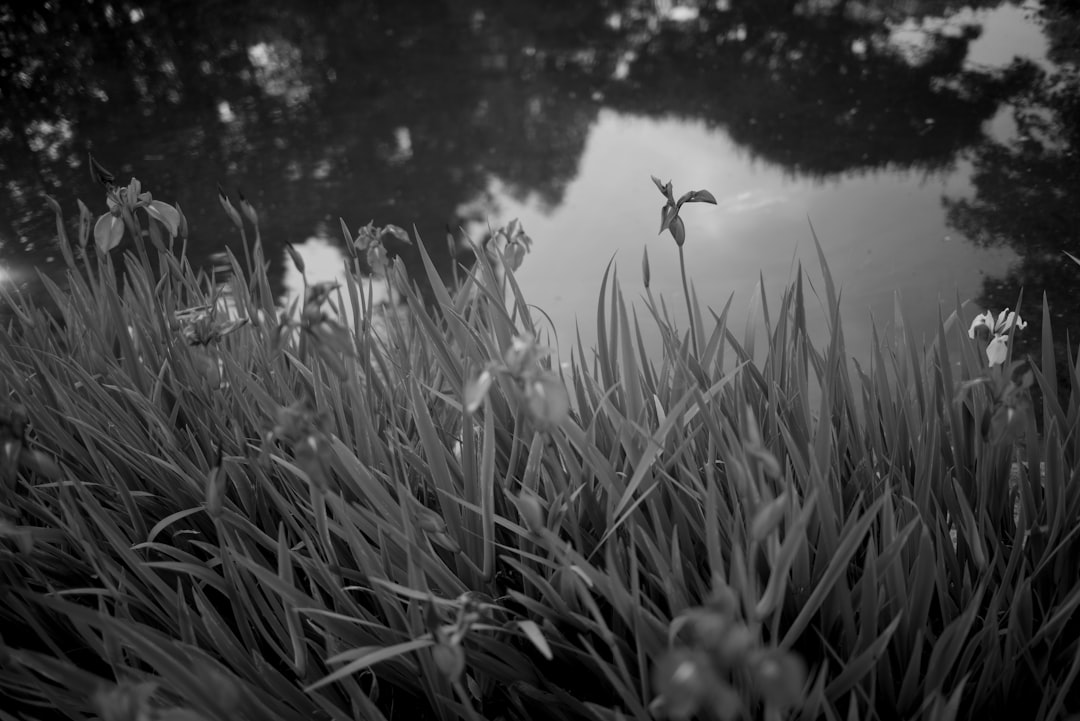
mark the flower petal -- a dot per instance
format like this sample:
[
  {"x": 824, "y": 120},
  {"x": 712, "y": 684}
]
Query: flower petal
[
  {"x": 107, "y": 232},
  {"x": 166, "y": 215},
  {"x": 983, "y": 320},
  {"x": 548, "y": 399},
  {"x": 476, "y": 391},
  {"x": 997, "y": 349},
  {"x": 1006, "y": 320}
]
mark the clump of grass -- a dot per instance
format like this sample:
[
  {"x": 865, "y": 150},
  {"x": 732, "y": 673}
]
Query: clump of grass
[{"x": 215, "y": 511}]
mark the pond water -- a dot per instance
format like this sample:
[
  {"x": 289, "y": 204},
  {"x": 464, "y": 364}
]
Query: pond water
[{"x": 931, "y": 144}]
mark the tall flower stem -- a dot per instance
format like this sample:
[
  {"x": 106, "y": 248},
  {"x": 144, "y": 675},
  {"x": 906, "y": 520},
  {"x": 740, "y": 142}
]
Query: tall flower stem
[{"x": 689, "y": 306}]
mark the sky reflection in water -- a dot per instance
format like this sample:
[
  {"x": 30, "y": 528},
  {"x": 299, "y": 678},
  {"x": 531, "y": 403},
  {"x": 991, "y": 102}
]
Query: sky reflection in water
[{"x": 884, "y": 232}]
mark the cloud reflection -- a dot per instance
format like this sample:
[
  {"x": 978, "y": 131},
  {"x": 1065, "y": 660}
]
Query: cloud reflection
[{"x": 325, "y": 262}]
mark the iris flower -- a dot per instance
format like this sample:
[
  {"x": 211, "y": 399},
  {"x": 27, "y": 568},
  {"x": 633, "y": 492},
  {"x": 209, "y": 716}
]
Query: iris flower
[{"x": 995, "y": 331}]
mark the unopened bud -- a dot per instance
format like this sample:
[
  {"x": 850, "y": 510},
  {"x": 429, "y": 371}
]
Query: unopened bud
[
  {"x": 779, "y": 677},
  {"x": 248, "y": 209},
  {"x": 450, "y": 660},
  {"x": 312, "y": 315},
  {"x": 430, "y": 522},
  {"x": 532, "y": 513},
  {"x": 678, "y": 230},
  {"x": 125, "y": 701},
  {"x": 297, "y": 259},
  {"x": 548, "y": 399},
  {"x": 230, "y": 210},
  {"x": 733, "y": 646}
]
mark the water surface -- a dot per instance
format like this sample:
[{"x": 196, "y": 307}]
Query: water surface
[{"x": 930, "y": 144}]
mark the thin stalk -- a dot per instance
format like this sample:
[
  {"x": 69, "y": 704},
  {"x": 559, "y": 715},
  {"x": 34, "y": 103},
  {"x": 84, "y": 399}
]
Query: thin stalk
[{"x": 689, "y": 306}]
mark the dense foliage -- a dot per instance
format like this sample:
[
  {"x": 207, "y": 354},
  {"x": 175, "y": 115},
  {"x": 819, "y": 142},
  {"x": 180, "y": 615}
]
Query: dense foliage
[{"x": 211, "y": 510}]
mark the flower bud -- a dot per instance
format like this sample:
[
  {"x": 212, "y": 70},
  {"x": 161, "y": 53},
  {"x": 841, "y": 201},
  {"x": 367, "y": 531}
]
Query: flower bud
[
  {"x": 208, "y": 366},
  {"x": 531, "y": 511},
  {"x": 548, "y": 399},
  {"x": 430, "y": 522},
  {"x": 248, "y": 209},
  {"x": 450, "y": 660},
  {"x": 707, "y": 628},
  {"x": 723, "y": 599},
  {"x": 125, "y": 702},
  {"x": 377, "y": 259},
  {"x": 514, "y": 255},
  {"x": 684, "y": 681},
  {"x": 678, "y": 230},
  {"x": 99, "y": 174},
  {"x": 779, "y": 677},
  {"x": 732, "y": 647},
  {"x": 521, "y": 355},
  {"x": 230, "y": 210},
  {"x": 312, "y": 315}
]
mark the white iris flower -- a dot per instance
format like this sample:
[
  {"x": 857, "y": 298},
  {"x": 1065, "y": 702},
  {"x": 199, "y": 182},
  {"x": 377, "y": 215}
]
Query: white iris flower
[{"x": 986, "y": 325}]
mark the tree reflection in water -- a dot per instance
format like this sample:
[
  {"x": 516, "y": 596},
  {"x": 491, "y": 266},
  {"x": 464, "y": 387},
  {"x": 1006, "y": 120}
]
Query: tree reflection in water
[
  {"x": 406, "y": 112},
  {"x": 1026, "y": 190}
]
